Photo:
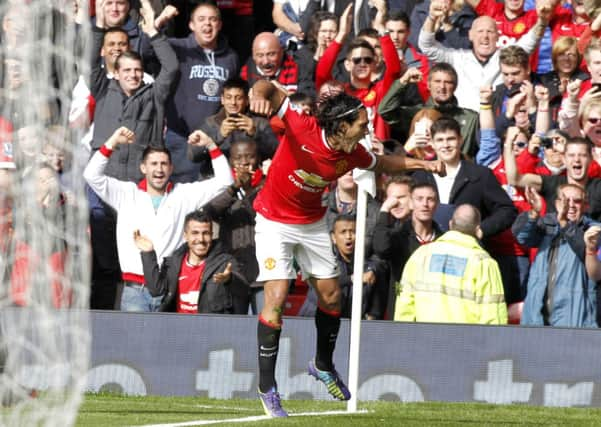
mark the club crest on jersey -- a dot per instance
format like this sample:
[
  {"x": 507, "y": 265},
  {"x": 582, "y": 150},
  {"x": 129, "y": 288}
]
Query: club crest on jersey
[
  {"x": 341, "y": 166},
  {"x": 270, "y": 263},
  {"x": 519, "y": 28},
  {"x": 371, "y": 96}
]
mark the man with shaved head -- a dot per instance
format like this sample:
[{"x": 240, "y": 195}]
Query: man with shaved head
[
  {"x": 453, "y": 280},
  {"x": 480, "y": 65},
  {"x": 270, "y": 62}
]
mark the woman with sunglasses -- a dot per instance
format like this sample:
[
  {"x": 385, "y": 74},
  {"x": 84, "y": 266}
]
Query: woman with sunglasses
[{"x": 551, "y": 146}]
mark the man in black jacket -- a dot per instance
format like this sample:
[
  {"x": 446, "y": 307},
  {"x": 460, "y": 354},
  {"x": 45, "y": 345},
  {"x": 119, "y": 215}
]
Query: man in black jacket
[
  {"x": 233, "y": 209},
  {"x": 198, "y": 277},
  {"x": 466, "y": 182},
  {"x": 395, "y": 239}
]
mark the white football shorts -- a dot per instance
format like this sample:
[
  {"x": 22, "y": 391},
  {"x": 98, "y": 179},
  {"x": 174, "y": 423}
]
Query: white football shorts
[{"x": 279, "y": 245}]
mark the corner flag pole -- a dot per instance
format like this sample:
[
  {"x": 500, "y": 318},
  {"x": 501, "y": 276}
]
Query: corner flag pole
[
  {"x": 353, "y": 376},
  {"x": 366, "y": 183}
]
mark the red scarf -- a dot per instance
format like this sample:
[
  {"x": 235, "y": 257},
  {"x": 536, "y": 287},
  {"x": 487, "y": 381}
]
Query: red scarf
[{"x": 256, "y": 178}]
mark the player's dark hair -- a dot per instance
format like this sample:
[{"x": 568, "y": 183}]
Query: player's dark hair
[
  {"x": 445, "y": 124},
  {"x": 200, "y": 215},
  {"x": 236, "y": 83},
  {"x": 128, "y": 54},
  {"x": 155, "y": 149},
  {"x": 338, "y": 109}
]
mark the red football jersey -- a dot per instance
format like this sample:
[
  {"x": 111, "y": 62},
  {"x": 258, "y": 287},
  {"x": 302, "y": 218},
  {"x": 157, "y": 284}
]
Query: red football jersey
[
  {"x": 302, "y": 168},
  {"x": 188, "y": 287},
  {"x": 505, "y": 242},
  {"x": 510, "y": 30},
  {"x": 563, "y": 24}
]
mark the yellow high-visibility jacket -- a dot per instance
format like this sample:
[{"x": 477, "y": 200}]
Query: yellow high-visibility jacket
[{"x": 451, "y": 280}]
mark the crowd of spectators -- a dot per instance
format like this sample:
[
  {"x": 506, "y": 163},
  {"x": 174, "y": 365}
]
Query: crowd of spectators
[{"x": 506, "y": 95}]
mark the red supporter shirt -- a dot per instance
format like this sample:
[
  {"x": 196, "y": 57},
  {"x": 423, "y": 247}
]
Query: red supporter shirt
[
  {"x": 188, "y": 289},
  {"x": 510, "y": 30},
  {"x": 504, "y": 242},
  {"x": 372, "y": 95},
  {"x": 302, "y": 168},
  {"x": 563, "y": 24},
  {"x": 530, "y": 163}
]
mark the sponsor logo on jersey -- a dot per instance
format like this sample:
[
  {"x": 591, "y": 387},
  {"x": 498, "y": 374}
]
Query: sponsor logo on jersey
[
  {"x": 311, "y": 179},
  {"x": 305, "y": 148}
]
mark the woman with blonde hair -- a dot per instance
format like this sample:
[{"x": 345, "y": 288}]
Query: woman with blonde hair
[{"x": 566, "y": 67}]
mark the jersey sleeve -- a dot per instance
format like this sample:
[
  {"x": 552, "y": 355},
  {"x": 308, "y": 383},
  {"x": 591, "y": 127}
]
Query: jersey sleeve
[
  {"x": 363, "y": 158},
  {"x": 297, "y": 122}
]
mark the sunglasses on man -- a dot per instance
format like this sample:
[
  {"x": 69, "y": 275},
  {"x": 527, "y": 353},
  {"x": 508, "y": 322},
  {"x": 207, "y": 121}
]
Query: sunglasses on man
[{"x": 365, "y": 59}]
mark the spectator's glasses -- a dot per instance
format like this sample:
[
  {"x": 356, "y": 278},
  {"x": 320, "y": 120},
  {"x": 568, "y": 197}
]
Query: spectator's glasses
[
  {"x": 521, "y": 144},
  {"x": 593, "y": 120},
  {"x": 365, "y": 59}
]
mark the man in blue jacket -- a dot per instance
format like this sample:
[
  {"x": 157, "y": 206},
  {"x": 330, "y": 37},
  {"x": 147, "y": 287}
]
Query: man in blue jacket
[{"x": 560, "y": 292}]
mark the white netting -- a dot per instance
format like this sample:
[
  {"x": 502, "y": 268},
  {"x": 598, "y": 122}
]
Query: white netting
[{"x": 44, "y": 254}]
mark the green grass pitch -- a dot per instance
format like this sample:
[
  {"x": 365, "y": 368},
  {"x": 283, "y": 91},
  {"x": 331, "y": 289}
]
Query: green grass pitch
[{"x": 115, "y": 410}]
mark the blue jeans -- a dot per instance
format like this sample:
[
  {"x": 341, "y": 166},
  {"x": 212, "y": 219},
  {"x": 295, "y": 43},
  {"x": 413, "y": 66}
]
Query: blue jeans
[
  {"x": 135, "y": 297},
  {"x": 184, "y": 170}
]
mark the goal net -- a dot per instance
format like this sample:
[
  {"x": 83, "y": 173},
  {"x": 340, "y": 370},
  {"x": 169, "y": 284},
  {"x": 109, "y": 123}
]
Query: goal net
[{"x": 44, "y": 254}]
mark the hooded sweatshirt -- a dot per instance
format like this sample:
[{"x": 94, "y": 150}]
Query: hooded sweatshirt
[{"x": 198, "y": 93}]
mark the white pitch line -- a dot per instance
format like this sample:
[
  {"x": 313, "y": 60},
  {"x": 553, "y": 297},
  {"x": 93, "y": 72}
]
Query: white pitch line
[
  {"x": 230, "y": 408},
  {"x": 253, "y": 418}
]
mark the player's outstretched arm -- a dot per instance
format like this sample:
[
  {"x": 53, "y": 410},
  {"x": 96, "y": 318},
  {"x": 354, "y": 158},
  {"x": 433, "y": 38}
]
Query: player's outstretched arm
[
  {"x": 396, "y": 163},
  {"x": 266, "y": 97}
]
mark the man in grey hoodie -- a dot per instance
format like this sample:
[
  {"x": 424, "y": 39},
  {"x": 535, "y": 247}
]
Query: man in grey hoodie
[{"x": 205, "y": 63}]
